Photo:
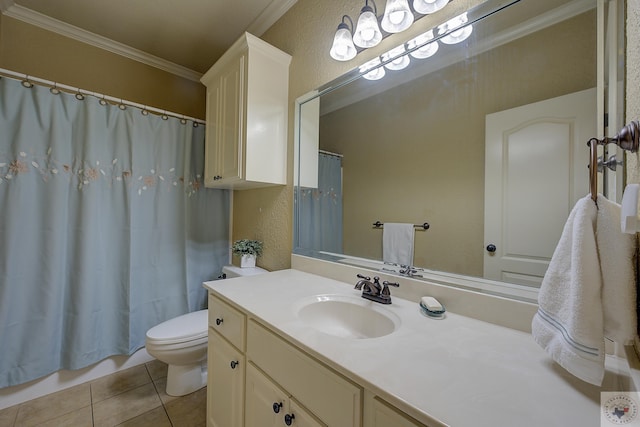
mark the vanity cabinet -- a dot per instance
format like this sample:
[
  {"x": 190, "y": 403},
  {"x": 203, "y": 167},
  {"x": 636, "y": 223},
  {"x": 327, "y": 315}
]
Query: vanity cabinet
[
  {"x": 267, "y": 405},
  {"x": 382, "y": 414},
  {"x": 225, "y": 392},
  {"x": 225, "y": 365},
  {"x": 247, "y": 110}
]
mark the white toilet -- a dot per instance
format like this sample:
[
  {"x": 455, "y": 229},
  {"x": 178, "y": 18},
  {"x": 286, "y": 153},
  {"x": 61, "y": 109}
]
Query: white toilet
[{"x": 181, "y": 343}]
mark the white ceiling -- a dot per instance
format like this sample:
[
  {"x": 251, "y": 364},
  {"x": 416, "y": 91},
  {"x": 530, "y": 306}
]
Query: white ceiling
[{"x": 190, "y": 33}]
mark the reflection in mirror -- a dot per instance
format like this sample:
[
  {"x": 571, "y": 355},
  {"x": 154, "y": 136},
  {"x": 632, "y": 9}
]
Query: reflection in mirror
[{"x": 485, "y": 141}]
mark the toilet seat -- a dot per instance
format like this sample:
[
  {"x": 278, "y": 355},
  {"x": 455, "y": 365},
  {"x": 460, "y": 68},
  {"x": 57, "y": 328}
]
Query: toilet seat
[{"x": 188, "y": 327}]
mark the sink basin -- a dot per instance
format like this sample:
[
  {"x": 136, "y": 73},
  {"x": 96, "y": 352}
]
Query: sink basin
[{"x": 347, "y": 316}]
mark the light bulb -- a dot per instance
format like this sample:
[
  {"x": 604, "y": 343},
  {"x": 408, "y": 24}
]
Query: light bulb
[
  {"x": 343, "y": 48},
  {"x": 425, "y": 48},
  {"x": 372, "y": 70},
  {"x": 455, "y": 30},
  {"x": 397, "y": 16},
  {"x": 428, "y": 6},
  {"x": 400, "y": 58},
  {"x": 367, "y": 33}
]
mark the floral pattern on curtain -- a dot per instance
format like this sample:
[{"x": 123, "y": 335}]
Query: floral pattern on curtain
[{"x": 105, "y": 229}]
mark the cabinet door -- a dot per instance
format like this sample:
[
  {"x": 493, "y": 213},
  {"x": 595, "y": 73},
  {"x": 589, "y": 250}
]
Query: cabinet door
[
  {"x": 211, "y": 152},
  {"x": 266, "y": 403},
  {"x": 231, "y": 136},
  {"x": 225, "y": 392},
  {"x": 297, "y": 416},
  {"x": 384, "y": 415}
]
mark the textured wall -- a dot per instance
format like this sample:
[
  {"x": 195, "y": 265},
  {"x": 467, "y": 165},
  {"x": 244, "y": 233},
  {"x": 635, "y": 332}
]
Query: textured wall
[
  {"x": 32, "y": 50},
  {"x": 306, "y": 32}
]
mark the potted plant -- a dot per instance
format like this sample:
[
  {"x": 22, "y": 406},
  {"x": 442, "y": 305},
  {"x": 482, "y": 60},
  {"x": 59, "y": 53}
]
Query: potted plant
[{"x": 247, "y": 250}]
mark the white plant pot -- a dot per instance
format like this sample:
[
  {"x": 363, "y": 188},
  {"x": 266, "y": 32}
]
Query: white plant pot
[{"x": 247, "y": 261}]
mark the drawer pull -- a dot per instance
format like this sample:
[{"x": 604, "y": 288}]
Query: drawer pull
[
  {"x": 234, "y": 363},
  {"x": 276, "y": 407},
  {"x": 288, "y": 419},
  {"x": 219, "y": 321}
]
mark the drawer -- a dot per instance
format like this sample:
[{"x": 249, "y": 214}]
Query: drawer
[
  {"x": 331, "y": 397},
  {"x": 227, "y": 321}
]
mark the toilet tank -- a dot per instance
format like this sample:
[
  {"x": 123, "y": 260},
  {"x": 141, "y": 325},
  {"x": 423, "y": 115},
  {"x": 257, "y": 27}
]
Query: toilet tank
[{"x": 232, "y": 271}]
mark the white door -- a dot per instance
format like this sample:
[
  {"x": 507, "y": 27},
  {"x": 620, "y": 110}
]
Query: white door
[{"x": 536, "y": 168}]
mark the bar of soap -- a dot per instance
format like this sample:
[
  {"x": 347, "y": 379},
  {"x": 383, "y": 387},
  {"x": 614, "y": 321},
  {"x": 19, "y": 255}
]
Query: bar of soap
[{"x": 431, "y": 304}]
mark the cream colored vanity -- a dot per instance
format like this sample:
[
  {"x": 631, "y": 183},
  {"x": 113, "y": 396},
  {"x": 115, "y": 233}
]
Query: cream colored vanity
[
  {"x": 269, "y": 364},
  {"x": 247, "y": 107},
  {"x": 257, "y": 377}
]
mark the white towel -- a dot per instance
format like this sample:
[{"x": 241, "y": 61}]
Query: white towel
[
  {"x": 617, "y": 262},
  {"x": 569, "y": 321},
  {"x": 397, "y": 243},
  {"x": 573, "y": 308}
]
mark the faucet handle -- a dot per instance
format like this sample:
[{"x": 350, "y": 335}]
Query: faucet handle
[
  {"x": 385, "y": 289},
  {"x": 360, "y": 276}
]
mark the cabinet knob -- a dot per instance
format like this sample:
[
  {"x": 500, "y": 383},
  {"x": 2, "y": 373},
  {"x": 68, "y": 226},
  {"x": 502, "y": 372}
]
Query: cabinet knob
[
  {"x": 219, "y": 321},
  {"x": 288, "y": 419},
  {"x": 277, "y": 406},
  {"x": 233, "y": 364}
]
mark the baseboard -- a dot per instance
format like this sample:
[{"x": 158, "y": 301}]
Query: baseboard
[{"x": 61, "y": 380}]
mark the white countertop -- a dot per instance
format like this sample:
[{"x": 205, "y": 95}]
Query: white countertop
[{"x": 458, "y": 370}]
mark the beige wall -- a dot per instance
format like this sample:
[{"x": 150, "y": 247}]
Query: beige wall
[
  {"x": 28, "y": 49},
  {"x": 416, "y": 153}
]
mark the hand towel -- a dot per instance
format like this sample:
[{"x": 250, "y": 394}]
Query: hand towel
[
  {"x": 397, "y": 243},
  {"x": 569, "y": 321},
  {"x": 617, "y": 252}
]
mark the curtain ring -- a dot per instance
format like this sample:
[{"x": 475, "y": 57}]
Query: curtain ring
[
  {"x": 79, "y": 96},
  {"x": 122, "y": 106},
  {"x": 26, "y": 83},
  {"x": 102, "y": 101},
  {"x": 183, "y": 120},
  {"x": 144, "y": 111},
  {"x": 164, "y": 116},
  {"x": 54, "y": 90}
]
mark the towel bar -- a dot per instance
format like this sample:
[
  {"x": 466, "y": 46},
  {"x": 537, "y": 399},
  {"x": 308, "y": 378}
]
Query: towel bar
[{"x": 424, "y": 226}]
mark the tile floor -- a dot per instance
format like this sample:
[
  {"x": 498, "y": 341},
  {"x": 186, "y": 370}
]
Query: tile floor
[{"x": 134, "y": 397}]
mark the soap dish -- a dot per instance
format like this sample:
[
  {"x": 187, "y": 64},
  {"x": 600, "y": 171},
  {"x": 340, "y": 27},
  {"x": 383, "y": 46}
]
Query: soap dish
[{"x": 439, "y": 314}]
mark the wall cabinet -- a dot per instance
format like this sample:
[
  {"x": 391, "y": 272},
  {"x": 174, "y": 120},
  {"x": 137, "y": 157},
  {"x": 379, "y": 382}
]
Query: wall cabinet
[{"x": 247, "y": 111}]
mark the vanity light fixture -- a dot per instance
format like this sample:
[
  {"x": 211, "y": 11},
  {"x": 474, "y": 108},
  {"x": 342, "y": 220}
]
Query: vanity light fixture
[
  {"x": 400, "y": 58},
  {"x": 367, "y": 33},
  {"x": 397, "y": 16},
  {"x": 343, "y": 48},
  {"x": 376, "y": 72},
  {"x": 456, "y": 29},
  {"x": 426, "y": 49},
  {"x": 428, "y": 6}
]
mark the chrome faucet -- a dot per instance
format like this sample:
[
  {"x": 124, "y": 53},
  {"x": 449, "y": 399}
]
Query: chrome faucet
[{"x": 375, "y": 291}]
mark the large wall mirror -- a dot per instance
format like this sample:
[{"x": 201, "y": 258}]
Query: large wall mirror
[{"x": 485, "y": 141}]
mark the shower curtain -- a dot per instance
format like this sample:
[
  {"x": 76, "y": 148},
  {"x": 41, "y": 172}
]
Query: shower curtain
[
  {"x": 320, "y": 210},
  {"x": 105, "y": 228}
]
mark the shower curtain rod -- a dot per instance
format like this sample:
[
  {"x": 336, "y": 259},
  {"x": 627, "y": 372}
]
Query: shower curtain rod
[
  {"x": 26, "y": 79},
  {"x": 329, "y": 153}
]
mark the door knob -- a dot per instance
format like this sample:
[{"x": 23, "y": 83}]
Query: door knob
[{"x": 491, "y": 247}]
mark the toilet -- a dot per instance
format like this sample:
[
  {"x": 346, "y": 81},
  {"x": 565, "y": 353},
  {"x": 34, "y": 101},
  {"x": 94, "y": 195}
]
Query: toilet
[{"x": 181, "y": 343}]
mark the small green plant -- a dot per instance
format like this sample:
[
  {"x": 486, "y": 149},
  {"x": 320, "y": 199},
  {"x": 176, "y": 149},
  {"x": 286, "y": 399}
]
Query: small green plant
[{"x": 247, "y": 247}]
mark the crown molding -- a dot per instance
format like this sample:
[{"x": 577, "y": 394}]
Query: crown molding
[
  {"x": 45, "y": 22},
  {"x": 5, "y": 4},
  {"x": 270, "y": 16}
]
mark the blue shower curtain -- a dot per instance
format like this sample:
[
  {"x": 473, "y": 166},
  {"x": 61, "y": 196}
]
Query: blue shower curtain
[
  {"x": 320, "y": 210},
  {"x": 105, "y": 229}
]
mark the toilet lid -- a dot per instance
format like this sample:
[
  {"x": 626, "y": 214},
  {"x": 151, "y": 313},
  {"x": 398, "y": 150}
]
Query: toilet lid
[{"x": 188, "y": 327}]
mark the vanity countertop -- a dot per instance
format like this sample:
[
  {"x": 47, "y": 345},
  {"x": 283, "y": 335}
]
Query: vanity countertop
[{"x": 458, "y": 371}]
